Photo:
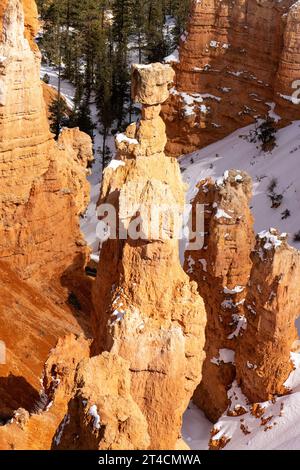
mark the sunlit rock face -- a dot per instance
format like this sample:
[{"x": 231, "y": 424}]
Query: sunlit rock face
[
  {"x": 43, "y": 186},
  {"x": 147, "y": 310},
  {"x": 222, "y": 269},
  {"x": 272, "y": 308},
  {"x": 239, "y": 60},
  {"x": 249, "y": 286}
]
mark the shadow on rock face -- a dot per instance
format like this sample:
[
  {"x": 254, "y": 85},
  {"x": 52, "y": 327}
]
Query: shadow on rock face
[
  {"x": 79, "y": 285},
  {"x": 15, "y": 393}
]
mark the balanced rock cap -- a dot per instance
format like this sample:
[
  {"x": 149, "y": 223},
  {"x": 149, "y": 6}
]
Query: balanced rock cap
[{"x": 150, "y": 83}]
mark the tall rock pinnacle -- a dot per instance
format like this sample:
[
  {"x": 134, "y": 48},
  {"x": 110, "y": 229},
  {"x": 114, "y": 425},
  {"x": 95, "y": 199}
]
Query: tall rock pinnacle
[
  {"x": 222, "y": 269},
  {"x": 147, "y": 311},
  {"x": 272, "y": 306}
]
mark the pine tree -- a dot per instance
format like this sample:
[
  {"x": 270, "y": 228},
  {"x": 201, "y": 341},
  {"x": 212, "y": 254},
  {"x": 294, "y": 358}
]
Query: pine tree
[
  {"x": 93, "y": 42},
  {"x": 156, "y": 42},
  {"x": 58, "y": 115}
]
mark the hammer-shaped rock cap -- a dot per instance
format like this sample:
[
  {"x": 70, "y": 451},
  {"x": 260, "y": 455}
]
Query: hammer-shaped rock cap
[{"x": 150, "y": 83}]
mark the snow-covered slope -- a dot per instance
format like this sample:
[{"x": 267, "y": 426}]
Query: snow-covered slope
[
  {"x": 283, "y": 165},
  {"x": 275, "y": 426}
]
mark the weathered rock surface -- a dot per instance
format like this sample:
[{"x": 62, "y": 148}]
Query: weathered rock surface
[
  {"x": 43, "y": 186},
  {"x": 85, "y": 404},
  {"x": 150, "y": 83},
  {"x": 250, "y": 292},
  {"x": 31, "y": 323},
  {"x": 272, "y": 307},
  {"x": 103, "y": 415},
  {"x": 222, "y": 269},
  {"x": 37, "y": 431},
  {"x": 43, "y": 190},
  {"x": 237, "y": 60},
  {"x": 147, "y": 311}
]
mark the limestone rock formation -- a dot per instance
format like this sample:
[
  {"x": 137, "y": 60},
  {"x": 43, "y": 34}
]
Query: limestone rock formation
[
  {"x": 146, "y": 310},
  {"x": 289, "y": 66},
  {"x": 238, "y": 60},
  {"x": 103, "y": 415},
  {"x": 222, "y": 269},
  {"x": 272, "y": 307},
  {"x": 30, "y": 325},
  {"x": 43, "y": 186},
  {"x": 150, "y": 84},
  {"x": 31, "y": 22},
  {"x": 43, "y": 190},
  {"x": 250, "y": 293},
  {"x": 85, "y": 404},
  {"x": 37, "y": 430}
]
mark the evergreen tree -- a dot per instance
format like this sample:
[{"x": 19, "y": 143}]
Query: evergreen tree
[
  {"x": 156, "y": 42},
  {"x": 81, "y": 118},
  {"x": 58, "y": 115},
  {"x": 93, "y": 42}
]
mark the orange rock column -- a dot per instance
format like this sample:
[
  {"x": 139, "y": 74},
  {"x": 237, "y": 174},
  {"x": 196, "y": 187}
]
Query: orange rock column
[
  {"x": 272, "y": 307},
  {"x": 221, "y": 270},
  {"x": 147, "y": 311}
]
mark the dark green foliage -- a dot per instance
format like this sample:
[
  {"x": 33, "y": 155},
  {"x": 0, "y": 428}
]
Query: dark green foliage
[
  {"x": 81, "y": 118},
  {"x": 267, "y": 135},
  {"x": 275, "y": 197},
  {"x": 285, "y": 214},
  {"x": 46, "y": 79},
  {"x": 93, "y": 42},
  {"x": 58, "y": 116}
]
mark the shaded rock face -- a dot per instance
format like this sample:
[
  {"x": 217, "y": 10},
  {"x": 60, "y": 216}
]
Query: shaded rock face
[
  {"x": 222, "y": 269},
  {"x": 272, "y": 307},
  {"x": 43, "y": 186},
  {"x": 146, "y": 309},
  {"x": 85, "y": 404},
  {"x": 37, "y": 430},
  {"x": 236, "y": 61},
  {"x": 30, "y": 325}
]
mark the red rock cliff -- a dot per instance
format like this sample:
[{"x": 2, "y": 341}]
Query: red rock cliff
[
  {"x": 236, "y": 61},
  {"x": 43, "y": 186}
]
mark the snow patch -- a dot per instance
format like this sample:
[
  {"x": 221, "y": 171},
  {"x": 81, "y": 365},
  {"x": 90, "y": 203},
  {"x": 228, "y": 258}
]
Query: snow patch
[
  {"x": 93, "y": 411},
  {"x": 227, "y": 356}
]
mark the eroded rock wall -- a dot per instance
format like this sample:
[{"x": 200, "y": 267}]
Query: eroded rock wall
[
  {"x": 43, "y": 186},
  {"x": 237, "y": 61},
  {"x": 272, "y": 308},
  {"x": 251, "y": 298}
]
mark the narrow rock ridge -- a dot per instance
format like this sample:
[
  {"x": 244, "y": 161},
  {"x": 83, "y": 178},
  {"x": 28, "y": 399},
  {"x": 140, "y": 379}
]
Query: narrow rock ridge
[
  {"x": 43, "y": 185},
  {"x": 147, "y": 311},
  {"x": 249, "y": 291},
  {"x": 237, "y": 61}
]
